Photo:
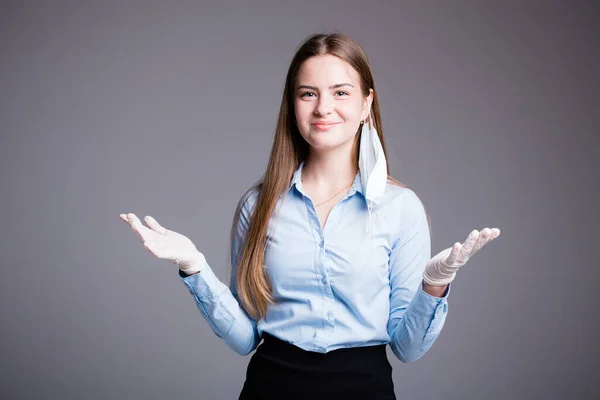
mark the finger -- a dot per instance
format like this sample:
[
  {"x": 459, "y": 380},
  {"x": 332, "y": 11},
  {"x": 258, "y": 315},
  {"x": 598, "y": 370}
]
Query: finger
[
  {"x": 138, "y": 227},
  {"x": 154, "y": 225},
  {"x": 467, "y": 247},
  {"x": 453, "y": 254},
  {"x": 488, "y": 235},
  {"x": 484, "y": 236}
]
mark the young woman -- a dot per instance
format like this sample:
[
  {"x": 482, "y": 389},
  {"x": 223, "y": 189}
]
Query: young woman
[{"x": 330, "y": 255}]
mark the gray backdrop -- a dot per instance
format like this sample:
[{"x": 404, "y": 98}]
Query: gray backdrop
[{"x": 168, "y": 109}]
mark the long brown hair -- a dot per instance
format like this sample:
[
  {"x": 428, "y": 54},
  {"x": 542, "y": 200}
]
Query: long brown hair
[{"x": 288, "y": 151}]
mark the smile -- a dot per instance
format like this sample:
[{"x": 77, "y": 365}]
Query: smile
[{"x": 324, "y": 126}]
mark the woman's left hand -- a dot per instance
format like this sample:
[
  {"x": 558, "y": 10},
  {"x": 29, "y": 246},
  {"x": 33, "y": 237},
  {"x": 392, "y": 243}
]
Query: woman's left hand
[{"x": 441, "y": 269}]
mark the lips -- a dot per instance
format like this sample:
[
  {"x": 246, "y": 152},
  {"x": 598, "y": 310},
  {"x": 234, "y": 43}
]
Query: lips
[{"x": 323, "y": 126}]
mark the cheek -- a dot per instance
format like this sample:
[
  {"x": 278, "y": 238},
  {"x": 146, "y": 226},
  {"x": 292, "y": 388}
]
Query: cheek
[
  {"x": 302, "y": 114},
  {"x": 302, "y": 111},
  {"x": 351, "y": 111}
]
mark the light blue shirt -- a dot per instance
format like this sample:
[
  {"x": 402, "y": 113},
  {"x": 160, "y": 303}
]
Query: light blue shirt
[{"x": 357, "y": 282}]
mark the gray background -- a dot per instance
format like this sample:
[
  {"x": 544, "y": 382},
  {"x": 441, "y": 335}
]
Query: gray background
[{"x": 168, "y": 109}]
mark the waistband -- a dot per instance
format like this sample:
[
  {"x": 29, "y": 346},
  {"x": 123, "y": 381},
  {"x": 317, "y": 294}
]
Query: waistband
[{"x": 283, "y": 349}]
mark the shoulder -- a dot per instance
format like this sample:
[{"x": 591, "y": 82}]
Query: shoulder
[
  {"x": 248, "y": 201},
  {"x": 401, "y": 199},
  {"x": 404, "y": 211}
]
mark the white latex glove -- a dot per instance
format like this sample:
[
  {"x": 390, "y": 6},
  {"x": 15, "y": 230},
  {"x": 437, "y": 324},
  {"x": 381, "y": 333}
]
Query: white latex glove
[
  {"x": 166, "y": 244},
  {"x": 441, "y": 269}
]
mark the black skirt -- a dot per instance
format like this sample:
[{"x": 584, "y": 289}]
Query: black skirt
[{"x": 279, "y": 370}]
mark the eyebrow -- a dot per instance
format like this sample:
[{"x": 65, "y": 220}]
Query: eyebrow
[{"x": 330, "y": 87}]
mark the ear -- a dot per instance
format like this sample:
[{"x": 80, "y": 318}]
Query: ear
[{"x": 366, "y": 109}]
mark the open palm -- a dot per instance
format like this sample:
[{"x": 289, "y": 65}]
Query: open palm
[
  {"x": 166, "y": 244},
  {"x": 441, "y": 269}
]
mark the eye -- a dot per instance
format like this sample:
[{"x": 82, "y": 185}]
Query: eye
[
  {"x": 341, "y": 93},
  {"x": 307, "y": 94}
]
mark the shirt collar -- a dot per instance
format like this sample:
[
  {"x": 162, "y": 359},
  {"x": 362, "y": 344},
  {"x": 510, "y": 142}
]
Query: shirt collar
[{"x": 297, "y": 181}]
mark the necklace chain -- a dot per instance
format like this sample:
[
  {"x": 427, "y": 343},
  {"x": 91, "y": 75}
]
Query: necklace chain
[{"x": 334, "y": 196}]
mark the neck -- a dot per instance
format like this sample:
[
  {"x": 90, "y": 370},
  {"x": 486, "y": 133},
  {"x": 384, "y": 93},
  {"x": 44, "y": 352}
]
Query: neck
[{"x": 330, "y": 169}]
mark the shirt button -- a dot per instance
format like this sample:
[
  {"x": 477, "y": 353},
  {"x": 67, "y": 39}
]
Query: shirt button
[{"x": 329, "y": 314}]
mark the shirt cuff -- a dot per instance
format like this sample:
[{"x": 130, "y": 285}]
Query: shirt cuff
[
  {"x": 426, "y": 304},
  {"x": 204, "y": 285}
]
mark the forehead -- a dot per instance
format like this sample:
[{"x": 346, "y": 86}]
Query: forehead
[{"x": 326, "y": 70}]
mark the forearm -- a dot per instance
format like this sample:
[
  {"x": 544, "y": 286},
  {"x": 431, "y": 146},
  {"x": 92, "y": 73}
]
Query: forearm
[
  {"x": 221, "y": 309},
  {"x": 415, "y": 331}
]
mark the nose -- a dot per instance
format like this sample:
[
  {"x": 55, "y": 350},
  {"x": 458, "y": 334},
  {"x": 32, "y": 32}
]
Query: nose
[{"x": 324, "y": 106}]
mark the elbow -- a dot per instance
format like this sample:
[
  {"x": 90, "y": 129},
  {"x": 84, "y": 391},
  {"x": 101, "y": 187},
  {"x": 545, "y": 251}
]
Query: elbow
[
  {"x": 408, "y": 351},
  {"x": 243, "y": 348},
  {"x": 244, "y": 351},
  {"x": 413, "y": 352},
  {"x": 411, "y": 358},
  {"x": 408, "y": 356}
]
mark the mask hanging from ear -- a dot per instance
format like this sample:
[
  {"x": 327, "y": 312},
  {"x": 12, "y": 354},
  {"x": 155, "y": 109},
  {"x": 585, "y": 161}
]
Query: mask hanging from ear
[{"x": 372, "y": 164}]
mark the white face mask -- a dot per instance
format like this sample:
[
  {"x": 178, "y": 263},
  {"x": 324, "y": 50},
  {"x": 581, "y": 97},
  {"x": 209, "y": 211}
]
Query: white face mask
[{"x": 372, "y": 164}]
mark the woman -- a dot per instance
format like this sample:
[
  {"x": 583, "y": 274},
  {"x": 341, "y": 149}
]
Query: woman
[{"x": 330, "y": 256}]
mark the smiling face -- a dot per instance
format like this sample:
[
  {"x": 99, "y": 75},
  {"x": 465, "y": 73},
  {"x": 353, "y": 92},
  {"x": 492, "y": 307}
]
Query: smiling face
[{"x": 329, "y": 102}]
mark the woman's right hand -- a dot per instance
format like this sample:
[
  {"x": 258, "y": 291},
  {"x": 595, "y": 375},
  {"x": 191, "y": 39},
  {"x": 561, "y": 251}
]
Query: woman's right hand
[{"x": 166, "y": 244}]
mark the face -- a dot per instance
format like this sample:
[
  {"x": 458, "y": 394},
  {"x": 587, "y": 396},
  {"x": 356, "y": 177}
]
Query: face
[{"x": 329, "y": 103}]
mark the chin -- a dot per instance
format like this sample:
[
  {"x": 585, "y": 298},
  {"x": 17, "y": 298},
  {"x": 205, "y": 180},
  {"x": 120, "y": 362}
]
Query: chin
[{"x": 328, "y": 143}]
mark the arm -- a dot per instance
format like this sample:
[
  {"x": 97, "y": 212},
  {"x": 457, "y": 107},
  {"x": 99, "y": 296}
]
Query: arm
[
  {"x": 416, "y": 317},
  {"x": 436, "y": 291},
  {"x": 218, "y": 304}
]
